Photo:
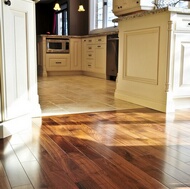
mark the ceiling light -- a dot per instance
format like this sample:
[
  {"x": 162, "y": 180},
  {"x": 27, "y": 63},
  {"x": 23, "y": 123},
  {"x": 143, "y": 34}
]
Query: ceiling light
[
  {"x": 57, "y": 7},
  {"x": 81, "y": 8}
]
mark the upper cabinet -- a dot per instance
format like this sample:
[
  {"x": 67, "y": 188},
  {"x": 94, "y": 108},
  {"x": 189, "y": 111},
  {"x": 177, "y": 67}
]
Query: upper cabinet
[{"x": 122, "y": 7}]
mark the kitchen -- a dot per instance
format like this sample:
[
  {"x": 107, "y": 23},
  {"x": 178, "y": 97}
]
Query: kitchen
[
  {"x": 131, "y": 85},
  {"x": 139, "y": 78},
  {"x": 129, "y": 148},
  {"x": 73, "y": 63}
]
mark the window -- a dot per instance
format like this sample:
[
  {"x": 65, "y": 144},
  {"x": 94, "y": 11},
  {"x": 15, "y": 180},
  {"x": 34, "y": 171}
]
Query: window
[
  {"x": 101, "y": 14},
  {"x": 62, "y": 21}
]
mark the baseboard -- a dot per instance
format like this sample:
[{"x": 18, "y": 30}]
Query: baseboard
[{"x": 160, "y": 106}]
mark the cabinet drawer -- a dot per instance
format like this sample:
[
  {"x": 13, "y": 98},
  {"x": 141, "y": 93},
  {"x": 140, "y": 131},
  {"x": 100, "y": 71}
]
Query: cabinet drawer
[
  {"x": 90, "y": 55},
  {"x": 183, "y": 23},
  {"x": 57, "y": 64},
  {"x": 100, "y": 39},
  {"x": 90, "y": 48},
  {"x": 90, "y": 40},
  {"x": 89, "y": 65},
  {"x": 100, "y": 46}
]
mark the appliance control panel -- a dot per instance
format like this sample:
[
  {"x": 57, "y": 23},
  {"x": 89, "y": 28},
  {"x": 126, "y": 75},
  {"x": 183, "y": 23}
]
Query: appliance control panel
[{"x": 124, "y": 7}]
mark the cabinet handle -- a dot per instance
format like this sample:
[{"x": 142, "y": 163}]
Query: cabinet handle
[
  {"x": 99, "y": 46},
  {"x": 188, "y": 24},
  {"x": 58, "y": 62}
]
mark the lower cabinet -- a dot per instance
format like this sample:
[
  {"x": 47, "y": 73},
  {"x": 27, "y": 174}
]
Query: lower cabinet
[
  {"x": 87, "y": 56},
  {"x": 154, "y": 61},
  {"x": 51, "y": 63},
  {"x": 94, "y": 56}
]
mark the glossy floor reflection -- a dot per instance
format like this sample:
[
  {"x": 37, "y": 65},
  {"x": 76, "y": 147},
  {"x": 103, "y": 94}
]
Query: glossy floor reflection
[
  {"x": 78, "y": 94},
  {"x": 123, "y": 149}
]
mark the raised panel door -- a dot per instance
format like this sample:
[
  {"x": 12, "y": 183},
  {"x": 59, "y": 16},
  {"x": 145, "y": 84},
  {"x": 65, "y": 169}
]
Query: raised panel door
[
  {"x": 15, "y": 68},
  {"x": 75, "y": 51},
  {"x": 181, "y": 83},
  {"x": 100, "y": 59}
]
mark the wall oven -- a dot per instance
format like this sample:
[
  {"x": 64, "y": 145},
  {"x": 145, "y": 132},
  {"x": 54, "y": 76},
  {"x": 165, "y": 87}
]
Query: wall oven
[{"x": 57, "y": 45}]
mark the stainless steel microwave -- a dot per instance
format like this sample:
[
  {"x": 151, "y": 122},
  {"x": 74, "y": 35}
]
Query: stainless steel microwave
[{"x": 57, "y": 45}]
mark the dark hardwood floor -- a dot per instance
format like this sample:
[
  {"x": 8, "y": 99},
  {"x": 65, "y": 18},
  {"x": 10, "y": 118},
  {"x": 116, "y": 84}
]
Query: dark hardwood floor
[{"x": 124, "y": 149}]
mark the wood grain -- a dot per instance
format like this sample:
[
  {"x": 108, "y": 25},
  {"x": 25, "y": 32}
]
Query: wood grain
[{"x": 133, "y": 149}]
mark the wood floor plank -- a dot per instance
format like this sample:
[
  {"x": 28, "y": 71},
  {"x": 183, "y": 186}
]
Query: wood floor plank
[
  {"x": 36, "y": 174},
  {"x": 145, "y": 133},
  {"x": 2, "y": 171},
  {"x": 140, "y": 148},
  {"x": 4, "y": 182},
  {"x": 24, "y": 187},
  {"x": 10, "y": 162},
  {"x": 124, "y": 166}
]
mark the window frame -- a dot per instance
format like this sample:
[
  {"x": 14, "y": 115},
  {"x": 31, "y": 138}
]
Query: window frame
[
  {"x": 92, "y": 11},
  {"x": 65, "y": 25}
]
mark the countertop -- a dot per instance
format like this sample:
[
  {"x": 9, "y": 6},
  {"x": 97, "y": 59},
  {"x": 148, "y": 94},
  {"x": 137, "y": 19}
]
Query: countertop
[
  {"x": 78, "y": 36},
  {"x": 155, "y": 11}
]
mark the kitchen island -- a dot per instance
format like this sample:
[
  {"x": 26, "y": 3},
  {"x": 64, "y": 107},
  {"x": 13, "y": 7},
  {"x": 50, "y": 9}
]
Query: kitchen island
[{"x": 154, "y": 59}]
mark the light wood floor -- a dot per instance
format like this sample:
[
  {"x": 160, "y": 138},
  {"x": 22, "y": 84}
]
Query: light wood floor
[
  {"x": 78, "y": 94},
  {"x": 135, "y": 148}
]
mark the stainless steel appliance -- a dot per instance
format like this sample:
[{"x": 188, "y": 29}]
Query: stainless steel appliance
[
  {"x": 112, "y": 56},
  {"x": 57, "y": 45}
]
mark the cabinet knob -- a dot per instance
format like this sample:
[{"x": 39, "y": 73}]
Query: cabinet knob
[{"x": 7, "y": 2}]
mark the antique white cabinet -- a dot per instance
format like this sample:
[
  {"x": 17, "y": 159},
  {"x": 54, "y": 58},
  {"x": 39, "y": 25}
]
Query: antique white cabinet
[
  {"x": 59, "y": 63},
  {"x": 154, "y": 59},
  {"x": 94, "y": 56},
  {"x": 123, "y": 7},
  {"x": 76, "y": 53},
  {"x": 19, "y": 99}
]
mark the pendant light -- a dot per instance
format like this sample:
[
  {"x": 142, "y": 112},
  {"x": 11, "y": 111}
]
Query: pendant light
[
  {"x": 81, "y": 8},
  {"x": 57, "y": 7}
]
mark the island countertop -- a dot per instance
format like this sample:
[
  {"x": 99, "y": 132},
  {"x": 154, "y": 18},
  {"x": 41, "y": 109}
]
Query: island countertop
[{"x": 155, "y": 11}]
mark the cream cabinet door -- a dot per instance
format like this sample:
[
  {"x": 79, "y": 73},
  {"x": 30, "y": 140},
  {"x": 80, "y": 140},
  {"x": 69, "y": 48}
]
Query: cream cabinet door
[
  {"x": 181, "y": 81},
  {"x": 16, "y": 20},
  {"x": 84, "y": 51},
  {"x": 100, "y": 58},
  {"x": 76, "y": 54}
]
